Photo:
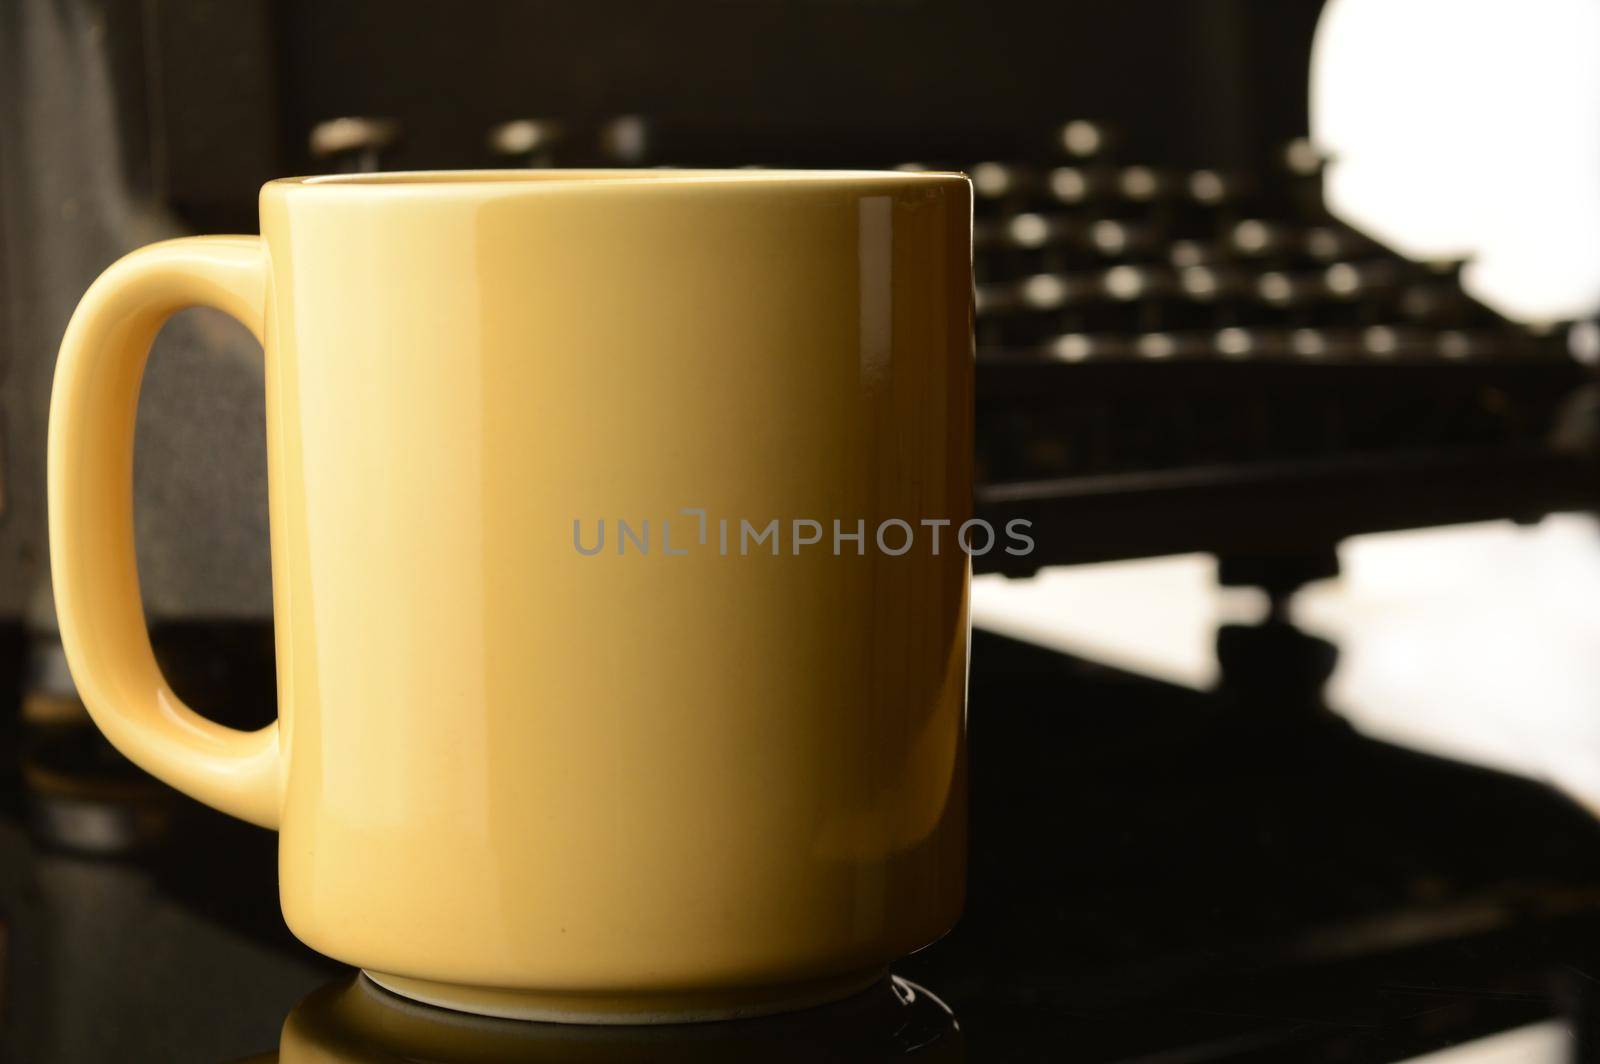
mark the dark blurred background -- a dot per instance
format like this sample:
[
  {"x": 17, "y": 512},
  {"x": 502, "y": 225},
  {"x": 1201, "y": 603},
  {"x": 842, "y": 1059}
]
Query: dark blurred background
[{"x": 1281, "y": 739}]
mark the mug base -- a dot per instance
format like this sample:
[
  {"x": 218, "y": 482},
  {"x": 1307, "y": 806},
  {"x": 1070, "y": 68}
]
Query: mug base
[{"x": 588, "y": 1007}]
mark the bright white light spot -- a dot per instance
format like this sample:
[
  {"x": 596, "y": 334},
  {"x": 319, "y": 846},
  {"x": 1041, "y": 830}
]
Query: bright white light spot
[
  {"x": 1199, "y": 282},
  {"x": 991, "y": 180},
  {"x": 1207, "y": 187},
  {"x": 1157, "y": 345},
  {"x": 1584, "y": 342},
  {"x": 1081, "y": 138},
  {"x": 1138, "y": 182},
  {"x": 1108, "y": 237},
  {"x": 1309, "y": 343},
  {"x": 1470, "y": 129},
  {"x": 1275, "y": 287},
  {"x": 1124, "y": 282},
  {"x": 1068, "y": 184},
  {"x": 1233, "y": 342},
  {"x": 1073, "y": 347},
  {"x": 1029, "y": 230},
  {"x": 1250, "y": 236},
  {"x": 1044, "y": 291},
  {"x": 1380, "y": 340},
  {"x": 1343, "y": 279}
]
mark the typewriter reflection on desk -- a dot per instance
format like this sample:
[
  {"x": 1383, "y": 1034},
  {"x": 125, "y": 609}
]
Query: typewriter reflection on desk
[{"x": 1182, "y": 349}]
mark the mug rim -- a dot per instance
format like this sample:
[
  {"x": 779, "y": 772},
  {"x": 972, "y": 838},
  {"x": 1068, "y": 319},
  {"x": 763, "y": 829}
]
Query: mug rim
[{"x": 554, "y": 179}]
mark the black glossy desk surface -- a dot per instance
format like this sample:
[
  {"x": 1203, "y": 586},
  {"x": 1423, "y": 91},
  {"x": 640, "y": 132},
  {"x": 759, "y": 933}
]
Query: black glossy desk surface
[{"x": 1157, "y": 875}]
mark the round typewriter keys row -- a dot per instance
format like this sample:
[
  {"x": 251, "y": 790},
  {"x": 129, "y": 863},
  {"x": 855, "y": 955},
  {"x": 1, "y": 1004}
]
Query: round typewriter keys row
[
  {"x": 364, "y": 144},
  {"x": 1344, "y": 283},
  {"x": 998, "y": 185},
  {"x": 537, "y": 143},
  {"x": 1376, "y": 343},
  {"x": 1252, "y": 240}
]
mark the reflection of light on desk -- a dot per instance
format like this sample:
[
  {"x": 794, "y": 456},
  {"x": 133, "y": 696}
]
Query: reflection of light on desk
[
  {"x": 1480, "y": 642},
  {"x": 1157, "y": 617},
  {"x": 1538, "y": 1043}
]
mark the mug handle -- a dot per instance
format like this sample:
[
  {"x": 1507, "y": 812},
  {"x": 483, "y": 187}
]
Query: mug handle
[{"x": 90, "y": 453}]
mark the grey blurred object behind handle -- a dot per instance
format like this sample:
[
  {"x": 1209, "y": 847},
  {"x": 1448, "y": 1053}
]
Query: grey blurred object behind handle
[{"x": 71, "y": 202}]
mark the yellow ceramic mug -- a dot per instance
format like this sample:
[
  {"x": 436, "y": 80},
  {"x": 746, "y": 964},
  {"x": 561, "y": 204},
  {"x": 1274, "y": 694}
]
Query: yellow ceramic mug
[{"x": 611, "y": 684}]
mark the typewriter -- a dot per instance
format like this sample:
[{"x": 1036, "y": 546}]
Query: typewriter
[
  {"x": 1179, "y": 347},
  {"x": 1201, "y": 360}
]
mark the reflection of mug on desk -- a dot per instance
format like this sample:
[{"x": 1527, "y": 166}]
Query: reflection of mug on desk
[
  {"x": 517, "y": 779},
  {"x": 353, "y": 1022}
]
